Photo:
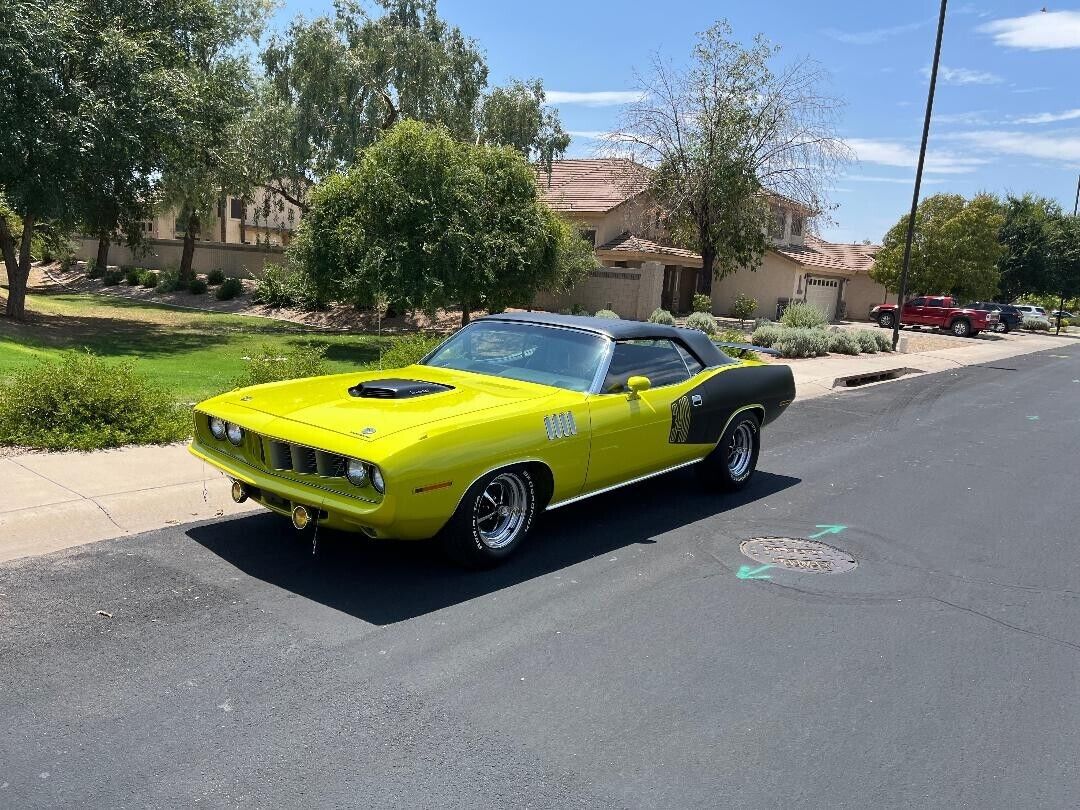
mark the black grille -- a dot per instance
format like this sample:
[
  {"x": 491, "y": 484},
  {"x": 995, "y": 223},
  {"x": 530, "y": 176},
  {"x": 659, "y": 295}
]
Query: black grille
[{"x": 304, "y": 460}]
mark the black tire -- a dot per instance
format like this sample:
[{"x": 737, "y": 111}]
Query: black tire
[
  {"x": 466, "y": 541},
  {"x": 1005, "y": 328},
  {"x": 885, "y": 320},
  {"x": 961, "y": 327},
  {"x": 718, "y": 470}
]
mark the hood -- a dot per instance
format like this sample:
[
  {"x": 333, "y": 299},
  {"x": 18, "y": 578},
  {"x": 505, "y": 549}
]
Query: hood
[{"x": 403, "y": 398}]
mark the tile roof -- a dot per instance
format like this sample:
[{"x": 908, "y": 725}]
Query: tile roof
[
  {"x": 842, "y": 256},
  {"x": 635, "y": 244},
  {"x": 590, "y": 184}
]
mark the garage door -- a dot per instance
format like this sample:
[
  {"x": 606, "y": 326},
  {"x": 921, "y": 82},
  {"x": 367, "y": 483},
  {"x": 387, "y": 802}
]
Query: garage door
[{"x": 823, "y": 293}]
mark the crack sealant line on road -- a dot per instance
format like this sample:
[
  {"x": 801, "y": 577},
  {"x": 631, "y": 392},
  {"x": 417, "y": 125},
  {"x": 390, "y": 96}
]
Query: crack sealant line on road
[{"x": 79, "y": 495}]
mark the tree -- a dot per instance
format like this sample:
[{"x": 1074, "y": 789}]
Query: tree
[
  {"x": 334, "y": 84},
  {"x": 1025, "y": 239},
  {"x": 955, "y": 248},
  {"x": 1063, "y": 278},
  {"x": 723, "y": 135},
  {"x": 425, "y": 220},
  {"x": 204, "y": 160},
  {"x": 40, "y": 102}
]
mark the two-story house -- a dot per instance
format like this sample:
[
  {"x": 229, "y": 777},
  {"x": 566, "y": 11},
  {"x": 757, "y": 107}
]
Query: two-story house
[
  {"x": 641, "y": 272},
  {"x": 268, "y": 219}
]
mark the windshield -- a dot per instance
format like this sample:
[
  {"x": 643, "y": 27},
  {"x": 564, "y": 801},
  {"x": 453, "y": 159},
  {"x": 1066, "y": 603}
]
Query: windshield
[{"x": 563, "y": 358}]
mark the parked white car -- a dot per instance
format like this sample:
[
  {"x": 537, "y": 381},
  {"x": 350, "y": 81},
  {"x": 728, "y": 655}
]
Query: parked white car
[{"x": 1029, "y": 311}]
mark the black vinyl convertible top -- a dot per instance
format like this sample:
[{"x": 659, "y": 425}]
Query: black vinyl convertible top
[{"x": 617, "y": 329}]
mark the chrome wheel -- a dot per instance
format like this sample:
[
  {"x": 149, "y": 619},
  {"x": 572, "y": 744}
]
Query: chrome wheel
[
  {"x": 502, "y": 510},
  {"x": 741, "y": 451}
]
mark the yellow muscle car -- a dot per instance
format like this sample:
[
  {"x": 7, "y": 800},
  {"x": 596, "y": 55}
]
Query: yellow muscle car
[{"x": 513, "y": 414}]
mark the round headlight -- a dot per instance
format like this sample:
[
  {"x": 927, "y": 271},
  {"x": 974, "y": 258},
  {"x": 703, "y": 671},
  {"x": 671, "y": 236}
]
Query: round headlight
[
  {"x": 234, "y": 432},
  {"x": 217, "y": 427},
  {"x": 356, "y": 472},
  {"x": 377, "y": 480}
]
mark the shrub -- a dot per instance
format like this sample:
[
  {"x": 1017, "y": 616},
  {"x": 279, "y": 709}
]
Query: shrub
[
  {"x": 578, "y": 309},
  {"x": 763, "y": 322},
  {"x": 1036, "y": 325},
  {"x": 799, "y": 315},
  {"x": 197, "y": 286},
  {"x": 803, "y": 343},
  {"x": 735, "y": 336},
  {"x": 112, "y": 278},
  {"x": 81, "y": 402},
  {"x": 92, "y": 270},
  {"x": 884, "y": 341},
  {"x": 767, "y": 335},
  {"x": 215, "y": 277},
  {"x": 702, "y": 303},
  {"x": 743, "y": 307},
  {"x": 269, "y": 364},
  {"x": 842, "y": 342},
  {"x": 168, "y": 281},
  {"x": 867, "y": 340},
  {"x": 704, "y": 322},
  {"x": 148, "y": 278},
  {"x": 662, "y": 316},
  {"x": 409, "y": 349},
  {"x": 607, "y": 313},
  {"x": 133, "y": 276},
  {"x": 229, "y": 289},
  {"x": 284, "y": 287}
]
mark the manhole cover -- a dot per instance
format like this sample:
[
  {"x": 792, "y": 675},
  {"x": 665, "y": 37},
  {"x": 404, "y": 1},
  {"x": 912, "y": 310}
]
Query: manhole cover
[{"x": 796, "y": 554}]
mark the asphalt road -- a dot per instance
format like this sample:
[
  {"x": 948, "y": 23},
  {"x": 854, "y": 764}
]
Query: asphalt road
[{"x": 619, "y": 661}]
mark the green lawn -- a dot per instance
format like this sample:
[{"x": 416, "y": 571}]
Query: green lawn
[{"x": 194, "y": 354}]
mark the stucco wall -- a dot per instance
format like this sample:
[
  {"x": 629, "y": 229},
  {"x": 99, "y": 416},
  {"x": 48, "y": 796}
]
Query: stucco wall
[
  {"x": 774, "y": 279},
  {"x": 631, "y": 292},
  {"x": 861, "y": 293},
  {"x": 236, "y": 260}
]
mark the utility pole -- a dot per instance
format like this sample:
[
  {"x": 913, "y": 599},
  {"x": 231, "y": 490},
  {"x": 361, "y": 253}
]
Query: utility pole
[{"x": 902, "y": 294}]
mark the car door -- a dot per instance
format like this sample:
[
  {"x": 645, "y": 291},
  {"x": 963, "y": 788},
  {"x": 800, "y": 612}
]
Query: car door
[
  {"x": 913, "y": 311},
  {"x": 630, "y": 433},
  {"x": 933, "y": 313}
]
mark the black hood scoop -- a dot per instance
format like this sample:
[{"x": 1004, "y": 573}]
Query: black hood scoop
[{"x": 396, "y": 389}]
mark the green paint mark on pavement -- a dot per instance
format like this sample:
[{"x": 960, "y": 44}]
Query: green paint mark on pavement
[
  {"x": 826, "y": 529},
  {"x": 746, "y": 572}
]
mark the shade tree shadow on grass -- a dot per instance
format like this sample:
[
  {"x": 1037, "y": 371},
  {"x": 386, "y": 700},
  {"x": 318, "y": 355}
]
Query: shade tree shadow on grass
[{"x": 387, "y": 582}]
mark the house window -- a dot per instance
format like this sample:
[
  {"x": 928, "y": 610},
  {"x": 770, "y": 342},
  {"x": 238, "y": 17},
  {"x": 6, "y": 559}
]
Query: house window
[
  {"x": 777, "y": 230},
  {"x": 796, "y": 225},
  {"x": 589, "y": 235},
  {"x": 236, "y": 208}
]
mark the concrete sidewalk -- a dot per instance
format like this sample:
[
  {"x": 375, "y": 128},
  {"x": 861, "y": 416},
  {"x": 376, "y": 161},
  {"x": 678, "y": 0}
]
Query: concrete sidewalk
[{"x": 50, "y": 501}]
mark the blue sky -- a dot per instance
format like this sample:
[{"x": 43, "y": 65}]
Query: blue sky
[{"x": 1006, "y": 116}]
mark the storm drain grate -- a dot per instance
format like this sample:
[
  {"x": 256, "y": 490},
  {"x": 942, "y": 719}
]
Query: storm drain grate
[
  {"x": 855, "y": 380},
  {"x": 797, "y": 554}
]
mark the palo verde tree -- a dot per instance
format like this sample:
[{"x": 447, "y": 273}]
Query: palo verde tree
[
  {"x": 716, "y": 138},
  {"x": 955, "y": 248},
  {"x": 425, "y": 220},
  {"x": 333, "y": 84}
]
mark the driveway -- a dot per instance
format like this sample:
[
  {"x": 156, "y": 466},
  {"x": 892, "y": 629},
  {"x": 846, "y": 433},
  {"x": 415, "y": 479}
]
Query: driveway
[{"x": 631, "y": 656}]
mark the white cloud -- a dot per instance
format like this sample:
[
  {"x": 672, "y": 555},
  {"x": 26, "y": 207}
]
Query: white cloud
[
  {"x": 1048, "y": 118},
  {"x": 871, "y": 37},
  {"x": 951, "y": 75},
  {"x": 1040, "y": 31},
  {"x": 973, "y": 118},
  {"x": 1060, "y": 148},
  {"x": 589, "y": 134},
  {"x": 894, "y": 153},
  {"x": 903, "y": 181},
  {"x": 594, "y": 98}
]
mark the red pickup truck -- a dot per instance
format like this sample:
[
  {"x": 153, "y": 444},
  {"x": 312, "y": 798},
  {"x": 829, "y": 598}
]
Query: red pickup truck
[{"x": 939, "y": 311}]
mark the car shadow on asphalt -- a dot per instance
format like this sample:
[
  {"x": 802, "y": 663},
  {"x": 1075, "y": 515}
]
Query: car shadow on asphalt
[{"x": 383, "y": 582}]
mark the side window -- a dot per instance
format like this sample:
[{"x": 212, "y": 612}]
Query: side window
[
  {"x": 659, "y": 360},
  {"x": 935, "y": 302},
  {"x": 917, "y": 302},
  {"x": 693, "y": 365}
]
